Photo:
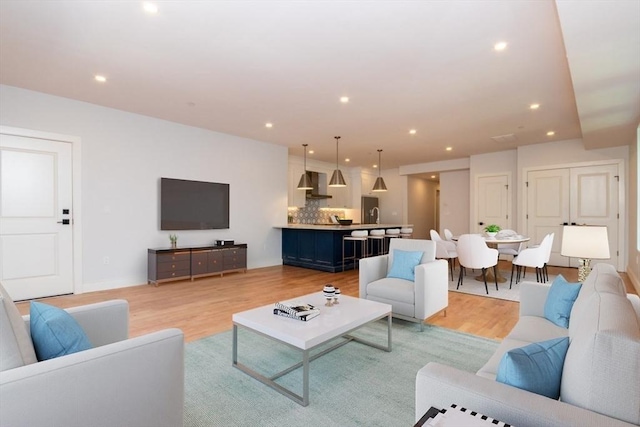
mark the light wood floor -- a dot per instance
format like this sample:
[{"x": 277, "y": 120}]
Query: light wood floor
[{"x": 204, "y": 306}]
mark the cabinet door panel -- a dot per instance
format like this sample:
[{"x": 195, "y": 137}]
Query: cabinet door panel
[{"x": 215, "y": 261}]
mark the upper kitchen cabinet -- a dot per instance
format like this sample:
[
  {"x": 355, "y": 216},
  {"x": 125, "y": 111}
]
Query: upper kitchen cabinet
[
  {"x": 297, "y": 198},
  {"x": 340, "y": 196}
]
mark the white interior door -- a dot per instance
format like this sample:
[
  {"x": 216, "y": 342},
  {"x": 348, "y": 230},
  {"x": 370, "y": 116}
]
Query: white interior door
[
  {"x": 493, "y": 202},
  {"x": 569, "y": 196},
  {"x": 548, "y": 208},
  {"x": 36, "y": 227},
  {"x": 595, "y": 202}
]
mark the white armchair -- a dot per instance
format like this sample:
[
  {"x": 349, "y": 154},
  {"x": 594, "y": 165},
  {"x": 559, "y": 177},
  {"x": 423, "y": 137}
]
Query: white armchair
[
  {"x": 118, "y": 382},
  {"x": 411, "y": 301}
]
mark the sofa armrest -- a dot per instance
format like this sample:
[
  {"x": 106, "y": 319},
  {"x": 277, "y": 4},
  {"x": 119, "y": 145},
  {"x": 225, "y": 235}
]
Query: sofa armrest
[
  {"x": 136, "y": 382},
  {"x": 440, "y": 386},
  {"x": 432, "y": 288},
  {"x": 372, "y": 269},
  {"x": 104, "y": 322},
  {"x": 532, "y": 298}
]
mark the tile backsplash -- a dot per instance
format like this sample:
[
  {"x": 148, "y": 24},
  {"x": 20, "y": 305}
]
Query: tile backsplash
[{"x": 312, "y": 213}]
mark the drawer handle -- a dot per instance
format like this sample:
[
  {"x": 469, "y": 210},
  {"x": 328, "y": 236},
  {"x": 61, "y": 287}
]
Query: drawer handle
[{"x": 173, "y": 274}]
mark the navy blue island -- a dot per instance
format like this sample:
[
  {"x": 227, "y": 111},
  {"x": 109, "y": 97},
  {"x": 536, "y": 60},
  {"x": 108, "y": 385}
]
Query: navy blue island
[{"x": 319, "y": 247}]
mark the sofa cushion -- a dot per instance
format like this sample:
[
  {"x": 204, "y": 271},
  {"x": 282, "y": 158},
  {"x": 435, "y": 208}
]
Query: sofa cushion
[
  {"x": 602, "y": 367},
  {"x": 536, "y": 367},
  {"x": 393, "y": 289},
  {"x": 55, "y": 333},
  {"x": 404, "y": 264},
  {"x": 16, "y": 348},
  {"x": 560, "y": 299}
]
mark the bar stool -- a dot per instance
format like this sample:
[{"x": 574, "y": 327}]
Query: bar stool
[
  {"x": 377, "y": 237},
  {"x": 391, "y": 233},
  {"x": 355, "y": 237},
  {"x": 406, "y": 232}
]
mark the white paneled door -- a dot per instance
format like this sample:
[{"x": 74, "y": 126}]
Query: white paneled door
[
  {"x": 578, "y": 195},
  {"x": 493, "y": 202},
  {"x": 36, "y": 226}
]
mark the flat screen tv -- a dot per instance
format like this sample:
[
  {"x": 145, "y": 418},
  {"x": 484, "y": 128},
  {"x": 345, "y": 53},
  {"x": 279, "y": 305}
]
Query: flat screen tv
[{"x": 193, "y": 205}]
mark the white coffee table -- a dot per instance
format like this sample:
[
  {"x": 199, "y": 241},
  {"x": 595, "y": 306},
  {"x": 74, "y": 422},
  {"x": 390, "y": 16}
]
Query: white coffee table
[{"x": 332, "y": 323}]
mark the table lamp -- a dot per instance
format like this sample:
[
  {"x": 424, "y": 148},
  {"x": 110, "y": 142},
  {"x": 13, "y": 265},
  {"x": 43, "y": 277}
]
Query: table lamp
[{"x": 585, "y": 242}]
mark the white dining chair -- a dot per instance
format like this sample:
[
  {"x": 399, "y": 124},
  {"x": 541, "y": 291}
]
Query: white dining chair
[
  {"x": 511, "y": 249},
  {"x": 535, "y": 257},
  {"x": 448, "y": 235},
  {"x": 450, "y": 256},
  {"x": 474, "y": 253},
  {"x": 435, "y": 236}
]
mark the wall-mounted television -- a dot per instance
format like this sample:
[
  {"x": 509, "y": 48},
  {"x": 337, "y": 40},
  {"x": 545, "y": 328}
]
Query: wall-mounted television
[{"x": 193, "y": 205}]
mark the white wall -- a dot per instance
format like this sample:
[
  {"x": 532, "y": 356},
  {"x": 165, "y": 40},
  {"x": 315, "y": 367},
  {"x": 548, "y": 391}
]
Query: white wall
[
  {"x": 454, "y": 201},
  {"x": 393, "y": 202},
  {"x": 633, "y": 268},
  {"x": 123, "y": 157}
]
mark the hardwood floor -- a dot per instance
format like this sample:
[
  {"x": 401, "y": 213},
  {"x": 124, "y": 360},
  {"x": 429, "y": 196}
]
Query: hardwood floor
[{"x": 204, "y": 306}]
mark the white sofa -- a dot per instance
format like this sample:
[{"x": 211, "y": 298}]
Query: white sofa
[
  {"x": 413, "y": 301},
  {"x": 600, "y": 383},
  {"x": 118, "y": 382}
]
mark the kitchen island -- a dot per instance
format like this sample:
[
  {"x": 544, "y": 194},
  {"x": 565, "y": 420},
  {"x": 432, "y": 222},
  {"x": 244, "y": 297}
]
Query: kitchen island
[{"x": 319, "y": 246}]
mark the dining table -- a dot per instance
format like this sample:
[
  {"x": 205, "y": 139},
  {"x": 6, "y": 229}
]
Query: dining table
[{"x": 494, "y": 242}]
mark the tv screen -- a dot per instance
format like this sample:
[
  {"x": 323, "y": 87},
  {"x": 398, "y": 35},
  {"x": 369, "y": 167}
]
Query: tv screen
[{"x": 193, "y": 205}]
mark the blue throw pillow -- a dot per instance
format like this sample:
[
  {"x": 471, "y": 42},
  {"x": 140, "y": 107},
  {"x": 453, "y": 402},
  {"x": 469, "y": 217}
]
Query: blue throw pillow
[
  {"x": 404, "y": 264},
  {"x": 54, "y": 332},
  {"x": 536, "y": 367},
  {"x": 560, "y": 299}
]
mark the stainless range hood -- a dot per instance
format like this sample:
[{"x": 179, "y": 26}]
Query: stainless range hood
[{"x": 319, "y": 183}]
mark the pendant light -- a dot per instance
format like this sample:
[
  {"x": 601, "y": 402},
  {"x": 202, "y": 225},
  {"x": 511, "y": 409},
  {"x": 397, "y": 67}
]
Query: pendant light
[
  {"x": 305, "y": 179},
  {"x": 337, "y": 180},
  {"x": 379, "y": 185}
]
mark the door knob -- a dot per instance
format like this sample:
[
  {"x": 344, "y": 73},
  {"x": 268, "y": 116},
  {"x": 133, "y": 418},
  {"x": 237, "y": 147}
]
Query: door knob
[{"x": 64, "y": 222}]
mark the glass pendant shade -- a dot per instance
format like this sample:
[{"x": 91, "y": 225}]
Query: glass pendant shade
[
  {"x": 337, "y": 180},
  {"x": 379, "y": 185},
  {"x": 305, "y": 179}
]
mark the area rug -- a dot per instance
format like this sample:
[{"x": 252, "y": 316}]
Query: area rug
[
  {"x": 351, "y": 386},
  {"x": 471, "y": 286}
]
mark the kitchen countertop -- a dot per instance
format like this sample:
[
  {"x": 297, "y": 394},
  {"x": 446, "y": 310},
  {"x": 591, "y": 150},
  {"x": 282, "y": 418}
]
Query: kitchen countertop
[{"x": 337, "y": 227}]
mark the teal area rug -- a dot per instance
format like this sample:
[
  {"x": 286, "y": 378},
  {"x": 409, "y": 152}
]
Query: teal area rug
[{"x": 351, "y": 386}]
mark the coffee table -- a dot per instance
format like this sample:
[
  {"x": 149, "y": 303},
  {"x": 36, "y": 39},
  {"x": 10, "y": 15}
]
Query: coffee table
[{"x": 336, "y": 322}]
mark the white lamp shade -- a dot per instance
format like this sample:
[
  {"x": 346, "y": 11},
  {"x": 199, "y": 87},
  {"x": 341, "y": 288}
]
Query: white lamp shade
[{"x": 585, "y": 241}]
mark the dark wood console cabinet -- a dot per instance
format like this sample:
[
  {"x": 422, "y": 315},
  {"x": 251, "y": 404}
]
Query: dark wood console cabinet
[{"x": 167, "y": 264}]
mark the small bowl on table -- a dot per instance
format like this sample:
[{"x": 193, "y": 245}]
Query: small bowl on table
[{"x": 345, "y": 221}]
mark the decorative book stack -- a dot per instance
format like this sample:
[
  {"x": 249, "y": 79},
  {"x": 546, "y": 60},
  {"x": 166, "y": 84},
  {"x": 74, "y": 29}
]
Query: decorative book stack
[{"x": 296, "y": 310}]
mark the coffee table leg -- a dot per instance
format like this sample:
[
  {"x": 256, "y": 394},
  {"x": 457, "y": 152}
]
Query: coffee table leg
[
  {"x": 389, "y": 325},
  {"x": 305, "y": 377},
  {"x": 234, "y": 353}
]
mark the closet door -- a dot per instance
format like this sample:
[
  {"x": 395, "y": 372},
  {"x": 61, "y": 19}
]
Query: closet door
[{"x": 569, "y": 196}]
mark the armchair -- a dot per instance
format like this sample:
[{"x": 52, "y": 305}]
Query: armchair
[
  {"x": 412, "y": 301},
  {"x": 118, "y": 382}
]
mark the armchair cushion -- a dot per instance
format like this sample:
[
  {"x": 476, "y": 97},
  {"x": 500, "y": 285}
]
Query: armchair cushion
[
  {"x": 55, "y": 333},
  {"x": 404, "y": 264},
  {"x": 536, "y": 367},
  {"x": 16, "y": 348},
  {"x": 560, "y": 299}
]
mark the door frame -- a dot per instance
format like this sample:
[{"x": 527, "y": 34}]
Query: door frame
[
  {"x": 622, "y": 200},
  {"x": 473, "y": 225},
  {"x": 76, "y": 192}
]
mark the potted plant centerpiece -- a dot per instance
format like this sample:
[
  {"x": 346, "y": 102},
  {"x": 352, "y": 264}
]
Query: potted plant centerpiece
[{"x": 492, "y": 230}]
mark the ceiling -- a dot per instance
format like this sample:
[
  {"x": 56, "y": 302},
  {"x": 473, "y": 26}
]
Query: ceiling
[{"x": 233, "y": 66}]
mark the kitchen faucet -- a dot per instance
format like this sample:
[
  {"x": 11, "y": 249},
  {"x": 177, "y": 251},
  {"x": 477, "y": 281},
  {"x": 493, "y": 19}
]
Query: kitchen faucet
[{"x": 377, "y": 214}]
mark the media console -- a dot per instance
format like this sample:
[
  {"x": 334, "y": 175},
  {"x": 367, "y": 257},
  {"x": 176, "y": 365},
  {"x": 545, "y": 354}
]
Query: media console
[{"x": 167, "y": 264}]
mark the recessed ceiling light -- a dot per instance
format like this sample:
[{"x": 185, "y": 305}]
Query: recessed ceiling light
[
  {"x": 149, "y": 7},
  {"x": 500, "y": 46},
  {"x": 269, "y": 125},
  {"x": 433, "y": 176},
  {"x": 551, "y": 133},
  {"x": 347, "y": 159},
  {"x": 534, "y": 106},
  {"x": 375, "y": 166},
  {"x": 412, "y": 131},
  {"x": 99, "y": 78},
  {"x": 311, "y": 151},
  {"x": 344, "y": 99},
  {"x": 449, "y": 148}
]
